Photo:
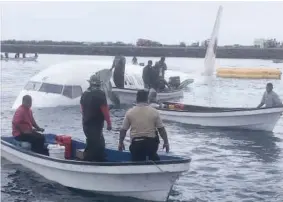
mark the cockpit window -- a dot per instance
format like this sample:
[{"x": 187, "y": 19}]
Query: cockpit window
[
  {"x": 51, "y": 88},
  {"x": 32, "y": 86},
  {"x": 72, "y": 91}
]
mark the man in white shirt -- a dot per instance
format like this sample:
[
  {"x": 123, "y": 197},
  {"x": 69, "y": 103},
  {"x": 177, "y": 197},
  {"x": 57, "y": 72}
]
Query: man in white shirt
[{"x": 270, "y": 98}]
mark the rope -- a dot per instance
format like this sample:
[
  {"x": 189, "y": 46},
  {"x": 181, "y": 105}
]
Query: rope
[{"x": 158, "y": 166}]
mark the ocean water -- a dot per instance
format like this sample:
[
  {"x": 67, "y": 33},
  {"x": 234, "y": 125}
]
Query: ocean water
[{"x": 226, "y": 165}]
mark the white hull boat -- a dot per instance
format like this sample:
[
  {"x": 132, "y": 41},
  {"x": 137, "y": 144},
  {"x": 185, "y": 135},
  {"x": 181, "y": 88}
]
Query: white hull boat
[
  {"x": 263, "y": 119},
  {"x": 118, "y": 176},
  {"x": 27, "y": 59}
]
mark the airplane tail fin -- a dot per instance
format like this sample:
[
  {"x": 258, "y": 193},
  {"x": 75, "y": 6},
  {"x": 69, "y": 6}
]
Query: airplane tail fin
[{"x": 209, "y": 61}]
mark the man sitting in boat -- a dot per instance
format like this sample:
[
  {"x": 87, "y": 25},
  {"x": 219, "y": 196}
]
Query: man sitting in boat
[
  {"x": 94, "y": 111},
  {"x": 25, "y": 128},
  {"x": 163, "y": 84},
  {"x": 270, "y": 98},
  {"x": 143, "y": 121},
  {"x": 146, "y": 74}
]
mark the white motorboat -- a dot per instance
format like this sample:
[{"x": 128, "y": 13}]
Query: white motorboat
[
  {"x": 277, "y": 61},
  {"x": 263, "y": 119},
  {"x": 27, "y": 59},
  {"x": 118, "y": 176},
  {"x": 62, "y": 84}
]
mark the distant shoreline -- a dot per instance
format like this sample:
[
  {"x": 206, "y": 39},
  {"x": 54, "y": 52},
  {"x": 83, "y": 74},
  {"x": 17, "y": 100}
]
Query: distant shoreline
[{"x": 141, "y": 51}]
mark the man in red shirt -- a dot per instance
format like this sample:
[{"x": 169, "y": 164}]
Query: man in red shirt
[
  {"x": 95, "y": 111},
  {"x": 25, "y": 128}
]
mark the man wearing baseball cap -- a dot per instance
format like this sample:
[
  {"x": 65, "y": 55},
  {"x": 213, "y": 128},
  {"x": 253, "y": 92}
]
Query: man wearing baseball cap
[{"x": 94, "y": 111}]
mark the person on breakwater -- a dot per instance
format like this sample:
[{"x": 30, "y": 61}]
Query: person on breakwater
[
  {"x": 119, "y": 65},
  {"x": 95, "y": 110},
  {"x": 146, "y": 74},
  {"x": 270, "y": 98},
  {"x": 143, "y": 120}
]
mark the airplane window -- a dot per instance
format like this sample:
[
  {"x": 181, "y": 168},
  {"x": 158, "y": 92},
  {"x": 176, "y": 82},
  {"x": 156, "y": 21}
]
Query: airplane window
[
  {"x": 77, "y": 91},
  {"x": 67, "y": 91},
  {"x": 51, "y": 88},
  {"x": 72, "y": 91},
  {"x": 32, "y": 86}
]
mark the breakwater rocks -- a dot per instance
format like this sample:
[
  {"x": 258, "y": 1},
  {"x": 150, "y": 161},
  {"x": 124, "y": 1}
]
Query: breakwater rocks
[{"x": 194, "y": 52}]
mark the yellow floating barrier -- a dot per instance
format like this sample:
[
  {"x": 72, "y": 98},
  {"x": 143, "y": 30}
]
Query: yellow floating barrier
[{"x": 249, "y": 73}]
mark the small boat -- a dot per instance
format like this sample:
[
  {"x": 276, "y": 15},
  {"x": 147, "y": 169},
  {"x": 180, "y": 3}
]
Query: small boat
[
  {"x": 27, "y": 59},
  {"x": 263, "y": 119},
  {"x": 277, "y": 61},
  {"x": 118, "y": 176}
]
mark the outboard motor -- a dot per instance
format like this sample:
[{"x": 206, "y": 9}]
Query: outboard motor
[
  {"x": 119, "y": 64},
  {"x": 174, "y": 81}
]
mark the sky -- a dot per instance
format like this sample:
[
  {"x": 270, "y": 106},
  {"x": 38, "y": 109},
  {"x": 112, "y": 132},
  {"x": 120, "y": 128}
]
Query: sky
[{"x": 167, "y": 22}]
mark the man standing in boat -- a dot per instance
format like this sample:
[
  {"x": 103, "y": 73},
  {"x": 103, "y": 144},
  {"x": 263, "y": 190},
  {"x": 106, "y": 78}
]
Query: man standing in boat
[
  {"x": 119, "y": 65},
  {"x": 146, "y": 74},
  {"x": 143, "y": 121},
  {"x": 94, "y": 111},
  {"x": 270, "y": 98},
  {"x": 162, "y": 67},
  {"x": 25, "y": 128}
]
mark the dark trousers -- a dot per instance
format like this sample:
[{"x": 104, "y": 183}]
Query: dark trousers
[
  {"x": 144, "y": 147},
  {"x": 95, "y": 144},
  {"x": 35, "y": 139}
]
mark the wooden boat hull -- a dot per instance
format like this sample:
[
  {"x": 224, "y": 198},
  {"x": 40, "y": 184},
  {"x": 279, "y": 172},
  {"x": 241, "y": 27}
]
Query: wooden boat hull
[
  {"x": 263, "y": 119},
  {"x": 148, "y": 181}
]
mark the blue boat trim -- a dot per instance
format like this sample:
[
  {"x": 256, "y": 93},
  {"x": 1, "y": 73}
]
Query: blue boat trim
[{"x": 168, "y": 159}]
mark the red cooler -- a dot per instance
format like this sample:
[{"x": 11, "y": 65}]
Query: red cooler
[{"x": 65, "y": 140}]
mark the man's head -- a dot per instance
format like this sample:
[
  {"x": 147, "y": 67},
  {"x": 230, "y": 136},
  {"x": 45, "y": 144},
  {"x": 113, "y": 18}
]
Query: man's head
[
  {"x": 27, "y": 101},
  {"x": 149, "y": 62},
  {"x": 269, "y": 87},
  {"x": 162, "y": 59},
  {"x": 142, "y": 96},
  {"x": 94, "y": 81}
]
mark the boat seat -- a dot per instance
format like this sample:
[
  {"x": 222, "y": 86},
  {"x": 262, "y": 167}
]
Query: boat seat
[{"x": 25, "y": 145}]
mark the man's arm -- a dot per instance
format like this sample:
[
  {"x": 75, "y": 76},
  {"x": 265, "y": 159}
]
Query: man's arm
[
  {"x": 262, "y": 101},
  {"x": 17, "y": 119},
  {"x": 162, "y": 131},
  {"x": 34, "y": 124},
  {"x": 125, "y": 127},
  {"x": 81, "y": 103},
  {"x": 105, "y": 110}
]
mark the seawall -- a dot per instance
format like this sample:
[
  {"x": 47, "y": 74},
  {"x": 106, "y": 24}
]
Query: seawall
[{"x": 193, "y": 52}]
